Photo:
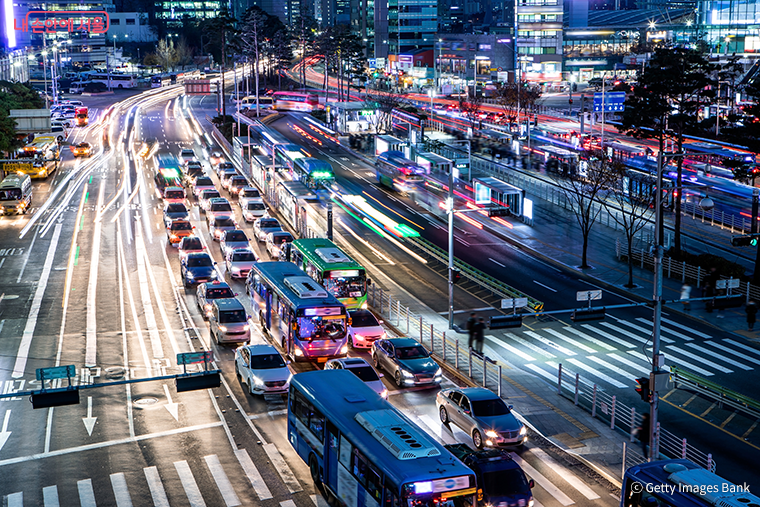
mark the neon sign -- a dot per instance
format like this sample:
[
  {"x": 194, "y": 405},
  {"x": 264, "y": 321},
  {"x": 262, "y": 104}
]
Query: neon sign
[{"x": 64, "y": 21}]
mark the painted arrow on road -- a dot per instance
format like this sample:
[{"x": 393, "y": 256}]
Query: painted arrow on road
[
  {"x": 4, "y": 434},
  {"x": 89, "y": 421},
  {"x": 171, "y": 406}
]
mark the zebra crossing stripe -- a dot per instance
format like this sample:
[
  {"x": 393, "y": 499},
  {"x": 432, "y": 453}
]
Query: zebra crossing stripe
[
  {"x": 665, "y": 329},
  {"x": 529, "y": 345},
  {"x": 550, "y": 343},
  {"x": 157, "y": 492},
  {"x": 287, "y": 503},
  {"x": 700, "y": 358},
  {"x": 569, "y": 340},
  {"x": 725, "y": 359},
  {"x": 566, "y": 474},
  {"x": 641, "y": 369},
  {"x": 120, "y": 491},
  {"x": 50, "y": 496},
  {"x": 596, "y": 373},
  {"x": 537, "y": 369},
  {"x": 257, "y": 482},
  {"x": 282, "y": 468},
  {"x": 555, "y": 366},
  {"x": 686, "y": 328},
  {"x": 15, "y": 499},
  {"x": 188, "y": 484},
  {"x": 627, "y": 333},
  {"x": 676, "y": 360},
  {"x": 613, "y": 338},
  {"x": 598, "y": 343},
  {"x": 86, "y": 494},
  {"x": 222, "y": 481},
  {"x": 542, "y": 481},
  {"x": 732, "y": 351},
  {"x": 601, "y": 362},
  {"x": 493, "y": 340},
  {"x": 741, "y": 346}
]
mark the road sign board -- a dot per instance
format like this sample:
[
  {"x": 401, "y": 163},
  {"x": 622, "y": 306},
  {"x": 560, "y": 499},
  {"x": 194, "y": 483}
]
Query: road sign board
[
  {"x": 727, "y": 284},
  {"x": 588, "y": 295},
  {"x": 198, "y": 87},
  {"x": 204, "y": 356},
  {"x": 613, "y": 102},
  {"x": 510, "y": 303},
  {"x": 56, "y": 372}
]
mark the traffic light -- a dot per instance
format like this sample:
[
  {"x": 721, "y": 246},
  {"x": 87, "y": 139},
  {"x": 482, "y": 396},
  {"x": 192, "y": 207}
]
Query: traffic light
[
  {"x": 746, "y": 240},
  {"x": 456, "y": 275},
  {"x": 570, "y": 101},
  {"x": 498, "y": 212},
  {"x": 642, "y": 388}
]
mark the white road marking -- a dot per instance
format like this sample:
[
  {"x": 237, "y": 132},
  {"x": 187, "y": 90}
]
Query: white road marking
[
  {"x": 91, "y": 341},
  {"x": 120, "y": 490},
  {"x": 222, "y": 481},
  {"x": 542, "y": 481},
  {"x": 170, "y": 406},
  {"x": 495, "y": 341},
  {"x": 257, "y": 482},
  {"x": 537, "y": 369},
  {"x": 596, "y": 373},
  {"x": 732, "y": 351},
  {"x": 319, "y": 501},
  {"x": 601, "y": 362},
  {"x": 282, "y": 468},
  {"x": 741, "y": 345},
  {"x": 686, "y": 328},
  {"x": 188, "y": 484},
  {"x": 544, "y": 286},
  {"x": 497, "y": 263},
  {"x": 598, "y": 343},
  {"x": 50, "y": 496},
  {"x": 578, "y": 344},
  {"x": 627, "y": 333},
  {"x": 701, "y": 359},
  {"x": 437, "y": 429},
  {"x": 26, "y": 258},
  {"x": 529, "y": 345},
  {"x": 271, "y": 413},
  {"x": 613, "y": 338},
  {"x": 566, "y": 474},
  {"x": 287, "y": 503},
  {"x": 642, "y": 369},
  {"x": 31, "y": 321},
  {"x": 15, "y": 499},
  {"x": 665, "y": 329},
  {"x": 676, "y": 360},
  {"x": 156, "y": 487},
  {"x": 86, "y": 494},
  {"x": 550, "y": 343},
  {"x": 711, "y": 353},
  {"x": 147, "y": 304}
]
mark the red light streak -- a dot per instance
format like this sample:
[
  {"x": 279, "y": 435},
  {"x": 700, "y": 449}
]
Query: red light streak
[
  {"x": 503, "y": 222},
  {"x": 471, "y": 221}
]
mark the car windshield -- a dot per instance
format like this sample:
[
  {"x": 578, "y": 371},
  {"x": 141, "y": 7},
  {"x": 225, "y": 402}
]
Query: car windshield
[
  {"x": 238, "y": 180},
  {"x": 231, "y": 316},
  {"x": 12, "y": 194},
  {"x": 176, "y": 207},
  {"x": 365, "y": 373},
  {"x": 489, "y": 408},
  {"x": 243, "y": 257},
  {"x": 187, "y": 154},
  {"x": 219, "y": 293},
  {"x": 191, "y": 244},
  {"x": 363, "y": 319},
  {"x": 267, "y": 362},
  {"x": 204, "y": 182},
  {"x": 279, "y": 237},
  {"x": 416, "y": 352},
  {"x": 505, "y": 483},
  {"x": 224, "y": 222},
  {"x": 252, "y": 192},
  {"x": 210, "y": 194},
  {"x": 182, "y": 226},
  {"x": 317, "y": 328},
  {"x": 199, "y": 262},
  {"x": 345, "y": 287},
  {"x": 236, "y": 236},
  {"x": 268, "y": 224},
  {"x": 226, "y": 165},
  {"x": 221, "y": 206},
  {"x": 256, "y": 206}
]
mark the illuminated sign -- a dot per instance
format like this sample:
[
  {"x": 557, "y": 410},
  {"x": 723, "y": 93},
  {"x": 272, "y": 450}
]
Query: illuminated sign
[
  {"x": 322, "y": 312},
  {"x": 451, "y": 484},
  {"x": 64, "y": 21},
  {"x": 346, "y": 273},
  {"x": 482, "y": 193},
  {"x": 12, "y": 167}
]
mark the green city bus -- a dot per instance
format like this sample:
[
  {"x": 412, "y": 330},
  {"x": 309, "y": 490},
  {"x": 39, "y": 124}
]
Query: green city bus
[{"x": 329, "y": 266}]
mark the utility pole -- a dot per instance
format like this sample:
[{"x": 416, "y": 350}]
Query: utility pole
[
  {"x": 657, "y": 297},
  {"x": 450, "y": 210}
]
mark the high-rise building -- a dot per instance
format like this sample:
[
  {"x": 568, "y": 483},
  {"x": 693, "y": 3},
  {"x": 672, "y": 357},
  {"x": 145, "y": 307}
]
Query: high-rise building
[
  {"x": 404, "y": 26},
  {"x": 539, "y": 40},
  {"x": 179, "y": 9}
]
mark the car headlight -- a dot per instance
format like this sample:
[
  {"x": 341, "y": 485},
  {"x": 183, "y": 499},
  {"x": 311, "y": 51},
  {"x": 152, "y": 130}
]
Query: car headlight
[
  {"x": 492, "y": 434},
  {"x": 299, "y": 352},
  {"x": 384, "y": 394},
  {"x": 439, "y": 372},
  {"x": 383, "y": 336},
  {"x": 207, "y": 306},
  {"x": 344, "y": 349},
  {"x": 359, "y": 337},
  {"x": 257, "y": 380},
  {"x": 213, "y": 274},
  {"x": 523, "y": 431},
  {"x": 407, "y": 374},
  {"x": 223, "y": 329},
  {"x": 190, "y": 275},
  {"x": 246, "y": 327}
]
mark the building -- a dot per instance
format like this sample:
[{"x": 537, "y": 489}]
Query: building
[
  {"x": 539, "y": 40},
  {"x": 14, "y": 66},
  {"x": 730, "y": 26},
  {"x": 466, "y": 58},
  {"x": 130, "y": 27},
  {"x": 179, "y": 9},
  {"x": 404, "y": 26}
]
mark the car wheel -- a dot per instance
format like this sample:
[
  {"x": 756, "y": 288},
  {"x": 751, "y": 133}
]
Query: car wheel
[
  {"x": 250, "y": 388},
  {"x": 477, "y": 439},
  {"x": 443, "y": 415},
  {"x": 376, "y": 363},
  {"x": 397, "y": 378},
  {"x": 314, "y": 469},
  {"x": 237, "y": 372}
]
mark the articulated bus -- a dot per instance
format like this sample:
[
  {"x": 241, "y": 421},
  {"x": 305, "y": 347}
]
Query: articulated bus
[
  {"x": 397, "y": 172},
  {"x": 288, "y": 154},
  {"x": 314, "y": 173},
  {"x": 681, "y": 483},
  {"x": 328, "y": 265},
  {"x": 295, "y": 101},
  {"x": 366, "y": 452},
  {"x": 297, "y": 313}
]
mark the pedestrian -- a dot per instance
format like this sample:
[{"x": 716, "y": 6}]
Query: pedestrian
[
  {"x": 643, "y": 434},
  {"x": 470, "y": 326},
  {"x": 709, "y": 292},
  {"x": 480, "y": 331},
  {"x": 685, "y": 295},
  {"x": 751, "y": 310}
]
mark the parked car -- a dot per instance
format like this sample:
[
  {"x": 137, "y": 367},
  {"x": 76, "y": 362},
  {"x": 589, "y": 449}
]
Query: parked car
[
  {"x": 275, "y": 241},
  {"x": 219, "y": 224},
  {"x": 407, "y": 361},
  {"x": 364, "y": 329},
  {"x": 262, "y": 369},
  {"x": 253, "y": 209},
  {"x": 483, "y": 415},
  {"x": 230, "y": 240},
  {"x": 264, "y": 226},
  {"x": 361, "y": 369},
  {"x": 207, "y": 292},
  {"x": 239, "y": 262}
]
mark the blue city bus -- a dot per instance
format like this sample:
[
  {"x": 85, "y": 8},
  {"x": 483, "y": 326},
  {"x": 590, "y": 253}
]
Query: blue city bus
[
  {"x": 308, "y": 322},
  {"x": 681, "y": 483},
  {"x": 314, "y": 173},
  {"x": 364, "y": 451},
  {"x": 397, "y": 172}
]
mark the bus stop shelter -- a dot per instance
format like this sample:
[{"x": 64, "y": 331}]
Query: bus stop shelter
[
  {"x": 493, "y": 191},
  {"x": 352, "y": 117}
]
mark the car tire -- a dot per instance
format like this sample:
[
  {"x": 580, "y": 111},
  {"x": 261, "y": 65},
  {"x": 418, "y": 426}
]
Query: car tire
[
  {"x": 477, "y": 439},
  {"x": 443, "y": 415},
  {"x": 397, "y": 378},
  {"x": 250, "y": 388},
  {"x": 237, "y": 372},
  {"x": 376, "y": 362}
]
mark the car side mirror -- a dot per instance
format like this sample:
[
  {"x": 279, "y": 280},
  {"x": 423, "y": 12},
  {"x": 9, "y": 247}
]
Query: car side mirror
[
  {"x": 510, "y": 407},
  {"x": 380, "y": 322},
  {"x": 288, "y": 362},
  {"x": 381, "y": 375},
  {"x": 531, "y": 484}
]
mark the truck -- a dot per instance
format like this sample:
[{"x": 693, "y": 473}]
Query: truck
[
  {"x": 80, "y": 117},
  {"x": 501, "y": 481}
]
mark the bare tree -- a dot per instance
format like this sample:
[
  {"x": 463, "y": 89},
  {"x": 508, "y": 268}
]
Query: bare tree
[
  {"x": 582, "y": 188},
  {"x": 471, "y": 107},
  {"x": 384, "y": 103},
  {"x": 166, "y": 54}
]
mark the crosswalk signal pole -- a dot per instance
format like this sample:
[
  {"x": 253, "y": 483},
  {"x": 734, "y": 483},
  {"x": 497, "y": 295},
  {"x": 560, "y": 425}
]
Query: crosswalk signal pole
[
  {"x": 450, "y": 211},
  {"x": 658, "y": 254}
]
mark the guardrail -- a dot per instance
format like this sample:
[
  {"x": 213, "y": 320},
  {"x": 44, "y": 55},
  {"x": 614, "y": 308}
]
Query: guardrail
[
  {"x": 715, "y": 391},
  {"x": 496, "y": 286}
]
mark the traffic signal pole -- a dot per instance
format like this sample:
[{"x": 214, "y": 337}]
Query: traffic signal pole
[
  {"x": 658, "y": 273},
  {"x": 450, "y": 210}
]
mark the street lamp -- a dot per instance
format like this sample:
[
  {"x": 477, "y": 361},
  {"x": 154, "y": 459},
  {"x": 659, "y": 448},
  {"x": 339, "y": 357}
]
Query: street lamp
[{"x": 114, "y": 46}]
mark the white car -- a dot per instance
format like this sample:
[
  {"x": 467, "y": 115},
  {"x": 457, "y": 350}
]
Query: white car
[
  {"x": 265, "y": 225},
  {"x": 239, "y": 262},
  {"x": 364, "y": 329},
  {"x": 361, "y": 369},
  {"x": 253, "y": 209},
  {"x": 275, "y": 241},
  {"x": 262, "y": 368}
]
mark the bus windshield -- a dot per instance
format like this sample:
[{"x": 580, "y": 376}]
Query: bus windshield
[
  {"x": 317, "y": 328},
  {"x": 11, "y": 194},
  {"x": 348, "y": 287}
]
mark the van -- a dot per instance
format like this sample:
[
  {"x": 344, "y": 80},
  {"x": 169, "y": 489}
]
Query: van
[
  {"x": 59, "y": 131},
  {"x": 77, "y": 87},
  {"x": 15, "y": 194},
  {"x": 228, "y": 322}
]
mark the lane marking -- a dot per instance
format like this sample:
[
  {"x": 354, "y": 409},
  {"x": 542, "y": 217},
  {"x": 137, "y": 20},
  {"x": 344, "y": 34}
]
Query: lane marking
[
  {"x": 544, "y": 286},
  {"x": 642, "y": 369},
  {"x": 741, "y": 346},
  {"x": 686, "y": 328},
  {"x": 604, "y": 364},
  {"x": 222, "y": 481},
  {"x": 537, "y": 369},
  {"x": 438, "y": 430},
  {"x": 497, "y": 263},
  {"x": 494, "y": 341},
  {"x": 147, "y": 304},
  {"x": 627, "y": 333},
  {"x": 604, "y": 334},
  {"x": 257, "y": 482},
  {"x": 542, "y": 481},
  {"x": 576, "y": 343},
  {"x": 598, "y": 343},
  {"x": 677, "y": 360},
  {"x": 529, "y": 345},
  {"x": 732, "y": 351},
  {"x": 120, "y": 490},
  {"x": 550, "y": 343},
  {"x": 157, "y": 492},
  {"x": 662, "y": 329},
  {"x": 597, "y": 373},
  {"x": 319, "y": 501},
  {"x": 15, "y": 499},
  {"x": 86, "y": 494},
  {"x": 282, "y": 468},
  {"x": 725, "y": 359},
  {"x": 699, "y": 358},
  {"x": 188, "y": 484},
  {"x": 26, "y": 259},
  {"x": 566, "y": 474},
  {"x": 92, "y": 287}
]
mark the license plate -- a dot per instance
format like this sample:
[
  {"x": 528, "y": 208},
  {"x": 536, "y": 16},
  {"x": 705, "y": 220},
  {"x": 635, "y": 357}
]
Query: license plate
[{"x": 321, "y": 359}]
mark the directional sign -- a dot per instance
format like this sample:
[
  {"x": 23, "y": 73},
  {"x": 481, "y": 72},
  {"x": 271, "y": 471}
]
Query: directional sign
[
  {"x": 56, "y": 372},
  {"x": 507, "y": 304},
  {"x": 588, "y": 295},
  {"x": 727, "y": 284},
  {"x": 204, "y": 356},
  {"x": 613, "y": 102}
]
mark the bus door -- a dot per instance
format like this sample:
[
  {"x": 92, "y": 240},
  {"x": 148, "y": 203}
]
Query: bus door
[{"x": 331, "y": 459}]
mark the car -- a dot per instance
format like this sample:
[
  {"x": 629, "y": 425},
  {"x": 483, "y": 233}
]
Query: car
[
  {"x": 185, "y": 155},
  {"x": 253, "y": 209},
  {"x": 207, "y": 292},
  {"x": 178, "y": 229},
  {"x": 483, "y": 415},
  {"x": 192, "y": 169},
  {"x": 64, "y": 114},
  {"x": 82, "y": 150},
  {"x": 190, "y": 244},
  {"x": 202, "y": 183},
  {"x": 219, "y": 224},
  {"x": 236, "y": 183},
  {"x": 407, "y": 361},
  {"x": 364, "y": 329},
  {"x": 65, "y": 123},
  {"x": 361, "y": 369},
  {"x": 216, "y": 157},
  {"x": 218, "y": 206},
  {"x": 265, "y": 225},
  {"x": 175, "y": 211},
  {"x": 233, "y": 239},
  {"x": 222, "y": 166},
  {"x": 197, "y": 267},
  {"x": 204, "y": 199},
  {"x": 275, "y": 240},
  {"x": 262, "y": 369},
  {"x": 228, "y": 321},
  {"x": 174, "y": 194},
  {"x": 239, "y": 261},
  {"x": 247, "y": 193},
  {"x": 225, "y": 176}
]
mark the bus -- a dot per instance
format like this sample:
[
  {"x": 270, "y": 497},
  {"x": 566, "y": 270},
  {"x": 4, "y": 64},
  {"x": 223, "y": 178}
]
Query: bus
[
  {"x": 168, "y": 173},
  {"x": 113, "y": 80},
  {"x": 329, "y": 266},
  {"x": 397, "y": 172},
  {"x": 295, "y": 101},
  {"x": 294, "y": 201},
  {"x": 679, "y": 482},
  {"x": 15, "y": 194},
  {"x": 313, "y": 172},
  {"x": 288, "y": 154},
  {"x": 160, "y": 80},
  {"x": 270, "y": 139},
  {"x": 366, "y": 452},
  {"x": 297, "y": 313}
]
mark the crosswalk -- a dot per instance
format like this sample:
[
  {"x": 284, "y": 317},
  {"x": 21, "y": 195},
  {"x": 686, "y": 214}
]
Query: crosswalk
[{"x": 611, "y": 353}]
